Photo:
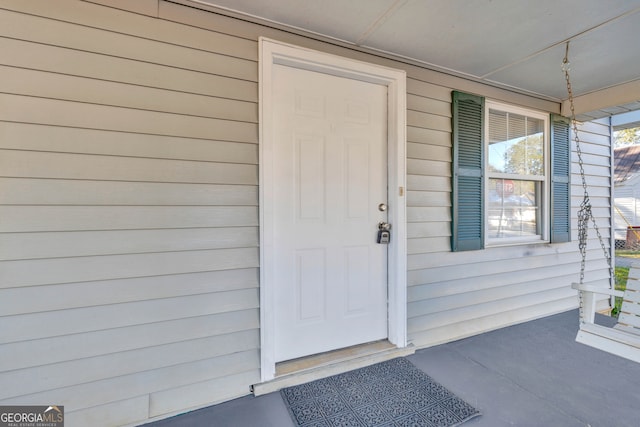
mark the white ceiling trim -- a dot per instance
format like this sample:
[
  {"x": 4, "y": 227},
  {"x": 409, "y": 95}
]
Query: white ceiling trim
[
  {"x": 378, "y": 22},
  {"x": 221, "y": 10},
  {"x": 626, "y": 93}
]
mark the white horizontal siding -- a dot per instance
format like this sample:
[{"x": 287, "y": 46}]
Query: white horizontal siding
[
  {"x": 19, "y": 246},
  {"x": 30, "y": 191},
  {"x": 81, "y": 89},
  {"x": 627, "y": 212},
  {"x": 46, "y": 324},
  {"x": 27, "y": 109},
  {"x": 88, "y": 268},
  {"x": 110, "y": 341},
  {"x": 124, "y": 412},
  {"x": 128, "y": 212},
  {"x": 446, "y": 260},
  {"x": 226, "y": 377},
  {"x": 207, "y": 392},
  {"x": 125, "y": 363},
  {"x": 475, "y": 308},
  {"x": 21, "y": 136},
  {"x": 451, "y": 288},
  {"x": 155, "y": 29},
  {"x": 55, "y": 297},
  {"x": 62, "y": 60},
  {"x": 73, "y": 218},
  {"x": 509, "y": 314},
  {"x": 31, "y": 164},
  {"x": 112, "y": 43}
]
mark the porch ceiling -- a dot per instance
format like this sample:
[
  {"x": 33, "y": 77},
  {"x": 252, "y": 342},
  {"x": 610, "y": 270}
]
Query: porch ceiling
[{"x": 513, "y": 44}]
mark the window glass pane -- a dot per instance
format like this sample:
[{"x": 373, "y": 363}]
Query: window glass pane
[
  {"x": 516, "y": 144},
  {"x": 513, "y": 208}
]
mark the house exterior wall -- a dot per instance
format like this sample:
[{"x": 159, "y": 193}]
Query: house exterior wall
[
  {"x": 626, "y": 199},
  {"x": 129, "y": 210}
]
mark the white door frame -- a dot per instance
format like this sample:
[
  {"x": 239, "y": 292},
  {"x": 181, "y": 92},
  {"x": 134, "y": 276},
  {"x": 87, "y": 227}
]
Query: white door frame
[{"x": 271, "y": 53}]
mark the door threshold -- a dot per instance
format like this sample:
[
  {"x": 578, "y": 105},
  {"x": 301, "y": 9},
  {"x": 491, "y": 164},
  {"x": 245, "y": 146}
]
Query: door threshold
[{"x": 310, "y": 368}]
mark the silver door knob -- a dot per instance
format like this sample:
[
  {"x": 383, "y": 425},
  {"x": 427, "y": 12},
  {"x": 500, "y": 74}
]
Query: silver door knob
[
  {"x": 382, "y": 207},
  {"x": 384, "y": 226}
]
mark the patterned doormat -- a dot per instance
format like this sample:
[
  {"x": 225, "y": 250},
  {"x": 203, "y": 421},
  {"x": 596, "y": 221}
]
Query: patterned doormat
[{"x": 391, "y": 393}]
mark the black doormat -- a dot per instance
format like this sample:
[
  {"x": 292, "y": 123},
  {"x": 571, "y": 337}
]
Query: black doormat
[{"x": 391, "y": 393}]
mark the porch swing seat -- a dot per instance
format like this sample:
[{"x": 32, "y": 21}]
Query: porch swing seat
[{"x": 624, "y": 338}]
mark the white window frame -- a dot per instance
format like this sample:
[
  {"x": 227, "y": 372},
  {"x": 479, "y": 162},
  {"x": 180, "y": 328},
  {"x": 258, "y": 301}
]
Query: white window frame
[{"x": 544, "y": 208}]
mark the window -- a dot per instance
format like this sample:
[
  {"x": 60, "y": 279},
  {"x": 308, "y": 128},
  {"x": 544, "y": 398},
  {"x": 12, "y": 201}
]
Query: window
[
  {"x": 510, "y": 177},
  {"x": 516, "y": 173}
]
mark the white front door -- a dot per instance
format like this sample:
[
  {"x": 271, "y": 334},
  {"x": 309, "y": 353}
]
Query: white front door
[{"x": 330, "y": 175}]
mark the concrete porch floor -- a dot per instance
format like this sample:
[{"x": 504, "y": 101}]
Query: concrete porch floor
[{"x": 532, "y": 374}]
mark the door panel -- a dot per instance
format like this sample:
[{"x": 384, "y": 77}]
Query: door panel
[
  {"x": 309, "y": 178},
  {"x": 330, "y": 174}
]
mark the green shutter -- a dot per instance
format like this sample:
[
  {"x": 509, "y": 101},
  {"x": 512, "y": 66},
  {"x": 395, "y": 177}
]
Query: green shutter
[
  {"x": 467, "y": 191},
  {"x": 560, "y": 179}
]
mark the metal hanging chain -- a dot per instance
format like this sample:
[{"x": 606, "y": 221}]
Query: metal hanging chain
[{"x": 585, "y": 213}]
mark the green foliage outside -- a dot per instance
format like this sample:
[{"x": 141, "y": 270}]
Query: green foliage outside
[
  {"x": 628, "y": 253},
  {"x": 525, "y": 157},
  {"x": 620, "y": 277},
  {"x": 627, "y": 137}
]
